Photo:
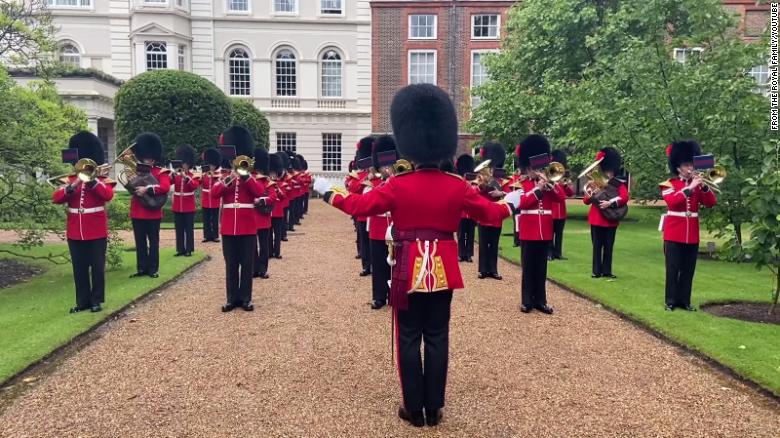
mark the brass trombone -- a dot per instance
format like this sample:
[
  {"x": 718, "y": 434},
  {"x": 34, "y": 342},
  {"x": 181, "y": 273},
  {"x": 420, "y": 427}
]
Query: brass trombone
[
  {"x": 243, "y": 165},
  {"x": 712, "y": 178},
  {"x": 85, "y": 169}
]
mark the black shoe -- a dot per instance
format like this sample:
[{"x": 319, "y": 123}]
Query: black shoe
[
  {"x": 669, "y": 307},
  {"x": 612, "y": 276},
  {"x": 595, "y": 275},
  {"x": 525, "y": 309},
  {"x": 205, "y": 240},
  {"x": 278, "y": 256},
  {"x": 357, "y": 257},
  {"x": 189, "y": 254},
  {"x": 689, "y": 308},
  {"x": 482, "y": 275},
  {"x": 248, "y": 306},
  {"x": 496, "y": 276},
  {"x": 154, "y": 275},
  {"x": 414, "y": 418},
  {"x": 283, "y": 239},
  {"x": 138, "y": 274},
  {"x": 256, "y": 275},
  {"x": 95, "y": 308},
  {"x": 178, "y": 254},
  {"x": 461, "y": 259},
  {"x": 433, "y": 417},
  {"x": 376, "y": 305},
  {"x": 365, "y": 273},
  {"x": 544, "y": 308},
  {"x": 215, "y": 240},
  {"x": 227, "y": 307},
  {"x": 562, "y": 258},
  {"x": 550, "y": 258},
  {"x": 264, "y": 275},
  {"x": 470, "y": 260},
  {"x": 77, "y": 309}
]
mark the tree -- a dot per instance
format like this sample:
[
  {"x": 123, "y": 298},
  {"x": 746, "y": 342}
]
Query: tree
[
  {"x": 181, "y": 107},
  {"x": 247, "y": 115},
  {"x": 25, "y": 30},
  {"x": 591, "y": 73}
]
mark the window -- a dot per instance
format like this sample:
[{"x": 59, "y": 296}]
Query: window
[
  {"x": 156, "y": 56},
  {"x": 331, "y": 74},
  {"x": 181, "y": 3},
  {"x": 182, "y": 58},
  {"x": 156, "y": 2},
  {"x": 761, "y": 74},
  {"x": 330, "y": 7},
  {"x": 286, "y": 141},
  {"x": 484, "y": 26},
  {"x": 684, "y": 55},
  {"x": 286, "y": 6},
  {"x": 331, "y": 152},
  {"x": 70, "y": 3},
  {"x": 422, "y": 27},
  {"x": 240, "y": 75},
  {"x": 478, "y": 74},
  {"x": 286, "y": 73},
  {"x": 238, "y": 5},
  {"x": 69, "y": 54},
  {"x": 422, "y": 67}
]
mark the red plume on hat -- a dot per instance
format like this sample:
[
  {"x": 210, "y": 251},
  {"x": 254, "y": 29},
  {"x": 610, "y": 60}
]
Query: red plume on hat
[
  {"x": 482, "y": 152},
  {"x": 669, "y": 150},
  {"x": 222, "y": 139},
  {"x": 517, "y": 149},
  {"x": 600, "y": 155}
]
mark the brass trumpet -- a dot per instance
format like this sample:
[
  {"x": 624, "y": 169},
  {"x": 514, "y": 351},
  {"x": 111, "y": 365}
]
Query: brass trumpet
[
  {"x": 402, "y": 166},
  {"x": 712, "y": 178},
  {"x": 243, "y": 165}
]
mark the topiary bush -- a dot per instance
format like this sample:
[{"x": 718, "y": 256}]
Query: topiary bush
[
  {"x": 180, "y": 107},
  {"x": 247, "y": 115}
]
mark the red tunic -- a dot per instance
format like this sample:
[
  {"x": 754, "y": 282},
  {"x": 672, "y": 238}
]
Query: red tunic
[
  {"x": 681, "y": 222},
  {"x": 378, "y": 223},
  {"x": 594, "y": 215},
  {"x": 206, "y": 200},
  {"x": 263, "y": 221},
  {"x": 504, "y": 183},
  {"x": 559, "y": 207},
  {"x": 137, "y": 210},
  {"x": 281, "y": 199},
  {"x": 87, "y": 217},
  {"x": 238, "y": 205},
  {"x": 534, "y": 220},
  {"x": 425, "y": 201},
  {"x": 355, "y": 185},
  {"x": 184, "y": 193}
]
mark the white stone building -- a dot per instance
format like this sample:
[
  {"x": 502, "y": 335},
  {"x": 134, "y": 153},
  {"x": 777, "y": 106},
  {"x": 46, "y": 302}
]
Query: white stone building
[{"x": 305, "y": 63}]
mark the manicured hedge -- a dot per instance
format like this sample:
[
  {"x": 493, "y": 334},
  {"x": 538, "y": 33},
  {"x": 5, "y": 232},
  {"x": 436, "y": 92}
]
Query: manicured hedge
[{"x": 247, "y": 115}]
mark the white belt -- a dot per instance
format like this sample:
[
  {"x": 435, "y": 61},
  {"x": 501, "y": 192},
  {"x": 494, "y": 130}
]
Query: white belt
[
  {"x": 205, "y": 190},
  {"x": 682, "y": 213},
  {"x": 85, "y": 210},
  {"x": 184, "y": 193},
  {"x": 237, "y": 205},
  {"x": 539, "y": 212}
]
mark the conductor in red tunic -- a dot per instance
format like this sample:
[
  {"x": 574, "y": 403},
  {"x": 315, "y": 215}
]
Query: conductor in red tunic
[
  {"x": 426, "y": 206},
  {"x": 87, "y": 226}
]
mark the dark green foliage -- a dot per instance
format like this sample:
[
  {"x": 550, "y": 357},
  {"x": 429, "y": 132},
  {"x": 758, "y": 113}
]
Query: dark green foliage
[{"x": 247, "y": 115}]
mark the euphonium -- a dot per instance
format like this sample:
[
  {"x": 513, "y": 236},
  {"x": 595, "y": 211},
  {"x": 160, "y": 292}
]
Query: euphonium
[
  {"x": 596, "y": 180},
  {"x": 129, "y": 163},
  {"x": 243, "y": 165}
]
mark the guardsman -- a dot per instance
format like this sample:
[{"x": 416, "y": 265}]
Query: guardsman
[
  {"x": 238, "y": 191},
  {"x": 353, "y": 174},
  {"x": 146, "y": 220},
  {"x": 276, "y": 168},
  {"x": 534, "y": 222},
  {"x": 603, "y": 229},
  {"x": 683, "y": 193},
  {"x": 384, "y": 156},
  {"x": 264, "y": 207},
  {"x": 357, "y": 186},
  {"x": 185, "y": 183},
  {"x": 559, "y": 210},
  {"x": 492, "y": 189},
  {"x": 289, "y": 193},
  {"x": 426, "y": 206},
  {"x": 306, "y": 186},
  {"x": 210, "y": 205},
  {"x": 514, "y": 183},
  {"x": 464, "y": 165},
  {"x": 86, "y": 194}
]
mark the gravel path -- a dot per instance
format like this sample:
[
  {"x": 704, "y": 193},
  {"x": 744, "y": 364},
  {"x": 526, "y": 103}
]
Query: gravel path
[{"x": 314, "y": 360}]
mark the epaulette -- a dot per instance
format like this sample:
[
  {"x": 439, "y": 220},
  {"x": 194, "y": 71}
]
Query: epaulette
[
  {"x": 353, "y": 174},
  {"x": 667, "y": 183},
  {"x": 164, "y": 170},
  {"x": 455, "y": 175},
  {"x": 107, "y": 180},
  {"x": 271, "y": 183}
]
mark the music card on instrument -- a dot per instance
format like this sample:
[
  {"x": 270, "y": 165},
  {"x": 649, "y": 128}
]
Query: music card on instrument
[
  {"x": 70, "y": 156},
  {"x": 540, "y": 161},
  {"x": 227, "y": 152},
  {"x": 702, "y": 162},
  {"x": 364, "y": 163}
]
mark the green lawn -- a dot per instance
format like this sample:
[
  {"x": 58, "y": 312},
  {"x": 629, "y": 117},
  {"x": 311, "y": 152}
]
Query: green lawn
[
  {"x": 34, "y": 318},
  {"x": 750, "y": 349}
]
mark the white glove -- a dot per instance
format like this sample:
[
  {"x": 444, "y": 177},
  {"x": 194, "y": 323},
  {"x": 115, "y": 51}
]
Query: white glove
[
  {"x": 513, "y": 198},
  {"x": 322, "y": 185}
]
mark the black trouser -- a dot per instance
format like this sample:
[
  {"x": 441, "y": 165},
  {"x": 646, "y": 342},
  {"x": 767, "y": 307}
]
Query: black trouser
[
  {"x": 239, "y": 252},
  {"x": 305, "y": 203},
  {"x": 427, "y": 319},
  {"x": 357, "y": 234},
  {"x": 185, "y": 232},
  {"x": 210, "y": 223},
  {"x": 263, "y": 250},
  {"x": 365, "y": 246},
  {"x": 556, "y": 248},
  {"x": 147, "y": 245},
  {"x": 277, "y": 228},
  {"x": 88, "y": 258},
  {"x": 680, "y": 267},
  {"x": 488, "y": 249},
  {"x": 466, "y": 238},
  {"x": 603, "y": 239},
  {"x": 289, "y": 218},
  {"x": 298, "y": 210},
  {"x": 533, "y": 256},
  {"x": 380, "y": 271}
]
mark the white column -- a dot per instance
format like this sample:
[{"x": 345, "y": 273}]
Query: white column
[
  {"x": 140, "y": 58},
  {"x": 173, "y": 56},
  {"x": 92, "y": 124}
]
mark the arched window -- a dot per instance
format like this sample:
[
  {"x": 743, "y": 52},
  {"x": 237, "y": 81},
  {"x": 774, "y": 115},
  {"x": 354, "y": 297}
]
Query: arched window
[
  {"x": 69, "y": 54},
  {"x": 286, "y": 73},
  {"x": 239, "y": 65},
  {"x": 331, "y": 73},
  {"x": 156, "y": 55}
]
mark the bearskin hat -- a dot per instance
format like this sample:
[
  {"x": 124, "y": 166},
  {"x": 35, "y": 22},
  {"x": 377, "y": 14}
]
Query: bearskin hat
[
  {"x": 239, "y": 137},
  {"x": 560, "y": 156},
  {"x": 89, "y": 146},
  {"x": 351, "y": 166},
  {"x": 285, "y": 157},
  {"x": 212, "y": 157},
  {"x": 611, "y": 160},
  {"x": 464, "y": 164},
  {"x": 148, "y": 145},
  {"x": 305, "y": 164},
  {"x": 447, "y": 166},
  {"x": 295, "y": 162},
  {"x": 364, "y": 147},
  {"x": 682, "y": 152},
  {"x": 384, "y": 143},
  {"x": 275, "y": 163},
  {"x": 261, "y": 160},
  {"x": 425, "y": 124},
  {"x": 532, "y": 145},
  {"x": 186, "y": 154},
  {"x": 494, "y": 152}
]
